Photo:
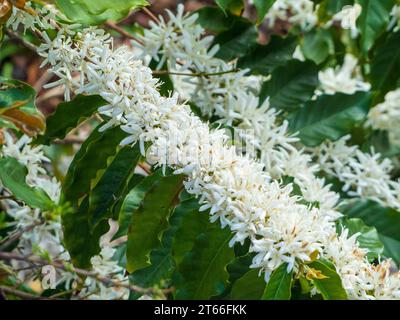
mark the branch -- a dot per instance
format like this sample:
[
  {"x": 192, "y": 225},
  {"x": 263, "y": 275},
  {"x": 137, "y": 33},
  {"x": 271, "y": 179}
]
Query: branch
[
  {"x": 121, "y": 31},
  {"x": 61, "y": 266},
  {"x": 6, "y": 242},
  {"x": 22, "y": 294},
  {"x": 194, "y": 74},
  {"x": 15, "y": 36}
]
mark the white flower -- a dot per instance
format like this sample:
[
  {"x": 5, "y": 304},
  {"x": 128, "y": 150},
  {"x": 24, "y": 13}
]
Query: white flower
[
  {"x": 346, "y": 79},
  {"x": 348, "y": 18}
]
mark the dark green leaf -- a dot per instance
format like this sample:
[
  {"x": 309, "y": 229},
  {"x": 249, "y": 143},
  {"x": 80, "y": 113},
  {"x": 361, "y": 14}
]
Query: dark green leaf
[
  {"x": 279, "y": 285},
  {"x": 87, "y": 161},
  {"x": 13, "y": 177},
  {"x": 68, "y": 115},
  {"x": 215, "y": 20},
  {"x": 331, "y": 288},
  {"x": 80, "y": 240},
  {"x": 96, "y": 12},
  {"x": 386, "y": 63},
  {"x": 291, "y": 85},
  {"x": 317, "y": 45},
  {"x": 237, "y": 41},
  {"x": 235, "y": 6},
  {"x": 373, "y": 20},
  {"x": 202, "y": 272},
  {"x": 249, "y": 287},
  {"x": 150, "y": 220},
  {"x": 263, "y": 59},
  {"x": 262, "y": 7},
  {"x": 112, "y": 183},
  {"x": 329, "y": 117}
]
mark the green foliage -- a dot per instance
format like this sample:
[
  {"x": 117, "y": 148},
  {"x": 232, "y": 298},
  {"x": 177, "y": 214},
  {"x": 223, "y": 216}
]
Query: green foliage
[
  {"x": 68, "y": 115},
  {"x": 291, "y": 85},
  {"x": 202, "y": 273},
  {"x": 279, "y": 285},
  {"x": 96, "y": 12},
  {"x": 329, "y": 117},
  {"x": 249, "y": 287},
  {"x": 317, "y": 45},
  {"x": 263, "y": 59},
  {"x": 262, "y": 7},
  {"x": 373, "y": 20},
  {"x": 13, "y": 177},
  {"x": 87, "y": 162},
  {"x": 235, "y": 6},
  {"x": 150, "y": 219}
]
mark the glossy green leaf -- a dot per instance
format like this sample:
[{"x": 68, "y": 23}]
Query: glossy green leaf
[
  {"x": 372, "y": 22},
  {"x": 237, "y": 41},
  {"x": 68, "y": 115},
  {"x": 263, "y": 59},
  {"x": 215, "y": 20},
  {"x": 202, "y": 273},
  {"x": 386, "y": 63},
  {"x": 291, "y": 85},
  {"x": 329, "y": 117},
  {"x": 262, "y": 7},
  {"x": 162, "y": 262},
  {"x": 235, "y": 6},
  {"x": 112, "y": 183},
  {"x": 150, "y": 220},
  {"x": 87, "y": 161},
  {"x": 13, "y": 177},
  {"x": 317, "y": 45},
  {"x": 249, "y": 287},
  {"x": 331, "y": 288},
  {"x": 96, "y": 12},
  {"x": 279, "y": 285},
  {"x": 81, "y": 241}
]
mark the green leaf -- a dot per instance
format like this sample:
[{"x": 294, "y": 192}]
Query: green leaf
[
  {"x": 329, "y": 117},
  {"x": 372, "y": 22},
  {"x": 385, "y": 220},
  {"x": 161, "y": 259},
  {"x": 68, "y": 115},
  {"x": 87, "y": 162},
  {"x": 96, "y": 12},
  {"x": 17, "y": 105},
  {"x": 291, "y": 85},
  {"x": 150, "y": 219},
  {"x": 262, "y": 7},
  {"x": 133, "y": 201},
  {"x": 279, "y": 285},
  {"x": 13, "y": 177},
  {"x": 215, "y": 20},
  {"x": 331, "y": 288},
  {"x": 202, "y": 273},
  {"x": 237, "y": 41},
  {"x": 386, "y": 63},
  {"x": 317, "y": 45},
  {"x": 368, "y": 238},
  {"x": 112, "y": 183},
  {"x": 263, "y": 59},
  {"x": 249, "y": 287},
  {"x": 80, "y": 240}
]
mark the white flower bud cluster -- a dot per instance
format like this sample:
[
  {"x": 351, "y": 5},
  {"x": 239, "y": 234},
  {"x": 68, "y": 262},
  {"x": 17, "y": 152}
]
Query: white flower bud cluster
[
  {"x": 364, "y": 175},
  {"x": 233, "y": 187},
  {"x": 386, "y": 116}
]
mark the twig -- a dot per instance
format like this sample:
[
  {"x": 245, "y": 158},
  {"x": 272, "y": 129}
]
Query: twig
[
  {"x": 69, "y": 141},
  {"x": 22, "y": 294},
  {"x": 151, "y": 15},
  {"x": 121, "y": 31},
  {"x": 59, "y": 265},
  {"x": 25, "y": 43},
  {"x": 6, "y": 242},
  {"x": 194, "y": 74}
]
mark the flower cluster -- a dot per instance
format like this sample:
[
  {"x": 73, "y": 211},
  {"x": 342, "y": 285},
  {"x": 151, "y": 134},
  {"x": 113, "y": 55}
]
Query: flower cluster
[
  {"x": 364, "y": 175},
  {"x": 386, "y": 116},
  {"x": 348, "y": 17}
]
